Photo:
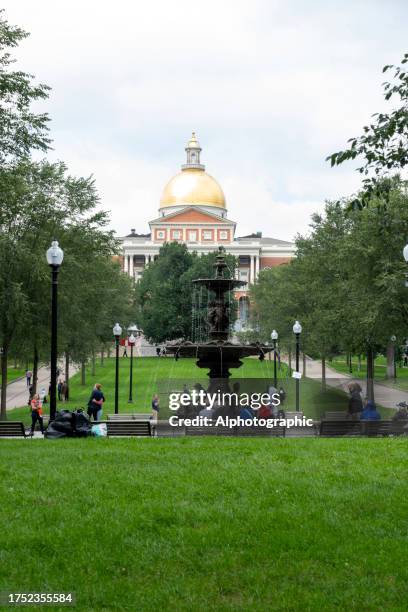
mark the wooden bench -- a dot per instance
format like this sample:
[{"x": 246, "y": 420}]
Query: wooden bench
[
  {"x": 374, "y": 429},
  {"x": 128, "y": 428},
  {"x": 334, "y": 429},
  {"x": 336, "y": 415},
  {"x": 291, "y": 414},
  {"x": 135, "y": 416},
  {"x": 163, "y": 429},
  {"x": 253, "y": 431},
  {"x": 12, "y": 429},
  {"x": 210, "y": 430}
]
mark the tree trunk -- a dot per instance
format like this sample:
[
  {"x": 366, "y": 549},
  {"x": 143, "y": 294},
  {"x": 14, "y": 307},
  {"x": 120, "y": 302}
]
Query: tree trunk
[
  {"x": 35, "y": 369},
  {"x": 93, "y": 363},
  {"x": 323, "y": 372},
  {"x": 390, "y": 361},
  {"x": 3, "y": 411},
  {"x": 108, "y": 352},
  {"x": 359, "y": 364},
  {"x": 66, "y": 368},
  {"x": 370, "y": 374},
  {"x": 350, "y": 363},
  {"x": 290, "y": 361},
  {"x": 83, "y": 381},
  {"x": 102, "y": 355},
  {"x": 304, "y": 364}
]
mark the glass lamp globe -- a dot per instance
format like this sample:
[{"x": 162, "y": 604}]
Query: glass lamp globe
[
  {"x": 55, "y": 254},
  {"x": 405, "y": 252},
  {"x": 297, "y": 328},
  {"x": 117, "y": 330},
  {"x": 274, "y": 335}
]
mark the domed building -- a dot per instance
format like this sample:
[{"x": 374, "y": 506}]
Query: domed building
[{"x": 193, "y": 210}]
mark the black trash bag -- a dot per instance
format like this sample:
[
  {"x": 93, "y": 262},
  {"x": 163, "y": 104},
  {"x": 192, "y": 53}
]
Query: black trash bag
[{"x": 69, "y": 424}]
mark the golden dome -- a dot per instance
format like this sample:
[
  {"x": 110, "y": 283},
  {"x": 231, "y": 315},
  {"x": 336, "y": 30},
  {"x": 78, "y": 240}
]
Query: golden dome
[{"x": 192, "y": 186}]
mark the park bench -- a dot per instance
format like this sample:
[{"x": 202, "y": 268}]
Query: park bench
[
  {"x": 12, "y": 429},
  {"x": 291, "y": 414},
  {"x": 210, "y": 430},
  {"x": 253, "y": 431},
  {"x": 128, "y": 428},
  {"x": 163, "y": 429},
  {"x": 336, "y": 415},
  {"x": 384, "y": 428},
  {"x": 135, "y": 416},
  {"x": 333, "y": 429}
]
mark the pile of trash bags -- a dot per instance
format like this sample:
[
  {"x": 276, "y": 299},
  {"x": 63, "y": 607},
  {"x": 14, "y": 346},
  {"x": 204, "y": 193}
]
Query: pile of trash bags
[{"x": 69, "y": 424}]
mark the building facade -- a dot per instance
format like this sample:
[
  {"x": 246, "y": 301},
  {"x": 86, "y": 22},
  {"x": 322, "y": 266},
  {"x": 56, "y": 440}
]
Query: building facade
[{"x": 193, "y": 210}]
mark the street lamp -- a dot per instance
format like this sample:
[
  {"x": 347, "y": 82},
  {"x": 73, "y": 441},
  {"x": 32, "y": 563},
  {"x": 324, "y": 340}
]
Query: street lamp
[
  {"x": 274, "y": 336},
  {"x": 133, "y": 330},
  {"x": 297, "y": 330},
  {"x": 117, "y": 332},
  {"x": 55, "y": 256},
  {"x": 393, "y": 340}
]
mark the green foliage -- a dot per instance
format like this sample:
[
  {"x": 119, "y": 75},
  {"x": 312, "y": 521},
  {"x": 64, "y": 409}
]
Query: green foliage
[
  {"x": 384, "y": 143},
  {"x": 346, "y": 285},
  {"x": 164, "y": 293},
  {"x": 21, "y": 130}
]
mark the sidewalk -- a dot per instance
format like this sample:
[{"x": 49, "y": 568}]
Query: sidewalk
[
  {"x": 17, "y": 391},
  {"x": 384, "y": 395}
]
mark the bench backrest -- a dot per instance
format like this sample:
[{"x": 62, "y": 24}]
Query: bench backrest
[
  {"x": 291, "y": 414},
  {"x": 335, "y": 415},
  {"x": 135, "y": 416},
  {"x": 128, "y": 428},
  {"x": 12, "y": 429},
  {"x": 255, "y": 431},
  {"x": 333, "y": 429},
  {"x": 384, "y": 428}
]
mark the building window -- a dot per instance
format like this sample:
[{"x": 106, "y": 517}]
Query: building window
[
  {"x": 244, "y": 260},
  {"x": 223, "y": 235},
  {"x": 192, "y": 236},
  {"x": 160, "y": 234},
  {"x": 176, "y": 234},
  {"x": 207, "y": 235},
  {"x": 243, "y": 275}
]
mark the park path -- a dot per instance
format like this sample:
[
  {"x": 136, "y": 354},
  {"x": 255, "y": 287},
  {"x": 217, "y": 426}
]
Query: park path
[
  {"x": 17, "y": 391},
  {"x": 384, "y": 395}
]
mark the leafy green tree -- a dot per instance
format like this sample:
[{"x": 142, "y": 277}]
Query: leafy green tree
[
  {"x": 383, "y": 146},
  {"x": 21, "y": 130},
  {"x": 164, "y": 294}
]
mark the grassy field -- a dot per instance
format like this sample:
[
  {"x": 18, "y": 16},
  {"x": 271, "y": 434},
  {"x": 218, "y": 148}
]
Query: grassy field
[
  {"x": 152, "y": 374},
  {"x": 207, "y": 524},
  {"x": 380, "y": 370},
  {"x": 14, "y": 373}
]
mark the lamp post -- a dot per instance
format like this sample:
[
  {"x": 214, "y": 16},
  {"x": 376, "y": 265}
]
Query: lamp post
[
  {"x": 117, "y": 332},
  {"x": 55, "y": 256},
  {"x": 393, "y": 340},
  {"x": 274, "y": 336},
  {"x": 133, "y": 331},
  {"x": 297, "y": 330}
]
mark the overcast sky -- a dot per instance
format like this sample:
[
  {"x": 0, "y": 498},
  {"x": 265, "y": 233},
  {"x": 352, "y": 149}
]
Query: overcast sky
[{"x": 270, "y": 86}]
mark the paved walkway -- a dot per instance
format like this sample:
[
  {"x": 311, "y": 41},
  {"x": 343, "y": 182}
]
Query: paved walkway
[
  {"x": 17, "y": 391},
  {"x": 384, "y": 395}
]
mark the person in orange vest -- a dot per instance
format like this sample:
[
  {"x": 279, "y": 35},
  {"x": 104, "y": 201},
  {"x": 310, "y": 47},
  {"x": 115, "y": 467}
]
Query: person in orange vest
[{"x": 36, "y": 413}]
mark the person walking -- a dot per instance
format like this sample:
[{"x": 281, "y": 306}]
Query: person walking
[
  {"x": 29, "y": 375},
  {"x": 36, "y": 413},
  {"x": 96, "y": 402},
  {"x": 355, "y": 406}
]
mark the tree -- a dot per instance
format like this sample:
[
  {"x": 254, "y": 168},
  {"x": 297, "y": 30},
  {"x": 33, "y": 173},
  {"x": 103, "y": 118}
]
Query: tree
[
  {"x": 21, "y": 130},
  {"x": 164, "y": 294},
  {"x": 384, "y": 143}
]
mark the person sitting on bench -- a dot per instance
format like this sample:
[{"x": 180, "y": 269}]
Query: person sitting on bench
[{"x": 370, "y": 412}]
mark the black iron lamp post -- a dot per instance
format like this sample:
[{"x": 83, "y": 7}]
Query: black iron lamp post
[
  {"x": 133, "y": 332},
  {"x": 297, "y": 330},
  {"x": 55, "y": 256},
  {"x": 274, "y": 336},
  {"x": 117, "y": 332}
]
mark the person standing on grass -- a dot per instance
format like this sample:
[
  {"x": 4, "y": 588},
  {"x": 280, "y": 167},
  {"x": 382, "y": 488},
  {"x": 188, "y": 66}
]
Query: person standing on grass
[
  {"x": 155, "y": 407},
  {"x": 95, "y": 402},
  {"x": 64, "y": 391},
  {"x": 36, "y": 413},
  {"x": 29, "y": 375},
  {"x": 59, "y": 389}
]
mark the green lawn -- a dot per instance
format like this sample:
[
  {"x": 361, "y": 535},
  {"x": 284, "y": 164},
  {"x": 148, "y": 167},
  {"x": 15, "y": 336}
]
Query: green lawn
[
  {"x": 380, "y": 370},
  {"x": 207, "y": 524},
  {"x": 14, "y": 373},
  {"x": 152, "y": 374}
]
